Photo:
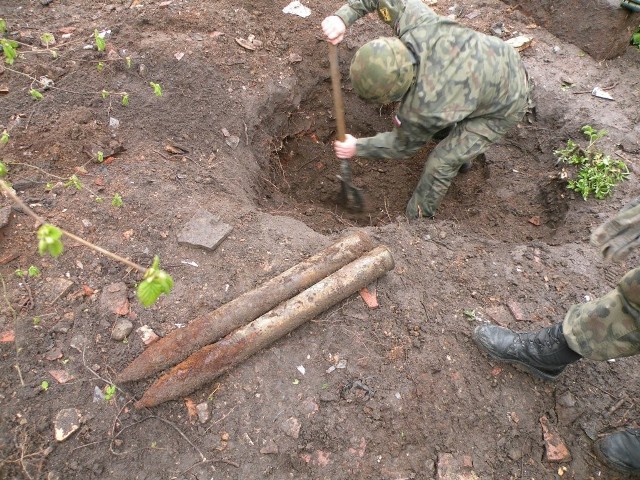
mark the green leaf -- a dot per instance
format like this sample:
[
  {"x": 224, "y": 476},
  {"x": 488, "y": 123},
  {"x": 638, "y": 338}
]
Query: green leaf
[
  {"x": 155, "y": 282},
  {"x": 100, "y": 156},
  {"x": 100, "y": 43},
  {"x": 109, "y": 392},
  {"x": 157, "y": 89},
  {"x": 74, "y": 181},
  {"x": 20, "y": 273},
  {"x": 34, "y": 271},
  {"x": 36, "y": 94},
  {"x": 105, "y": 93},
  {"x": 128, "y": 61},
  {"x": 44, "y": 385},
  {"x": 47, "y": 39},
  {"x": 635, "y": 39},
  {"x": 49, "y": 240},
  {"x": 3, "y": 170},
  {"x": 3, "y": 25},
  {"x": 9, "y": 49},
  {"x": 125, "y": 99},
  {"x": 4, "y": 138},
  {"x": 100, "y": 66},
  {"x": 117, "y": 200}
]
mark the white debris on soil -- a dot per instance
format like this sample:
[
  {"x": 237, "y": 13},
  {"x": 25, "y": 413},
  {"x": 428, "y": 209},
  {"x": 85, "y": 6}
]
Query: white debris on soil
[{"x": 296, "y": 8}]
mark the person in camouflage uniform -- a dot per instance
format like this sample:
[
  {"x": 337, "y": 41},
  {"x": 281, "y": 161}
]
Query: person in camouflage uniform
[
  {"x": 446, "y": 77},
  {"x": 602, "y": 329}
]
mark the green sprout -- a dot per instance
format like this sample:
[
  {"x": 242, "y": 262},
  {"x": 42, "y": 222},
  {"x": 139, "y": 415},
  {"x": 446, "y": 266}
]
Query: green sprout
[
  {"x": 4, "y": 137},
  {"x": 100, "y": 156},
  {"x": 33, "y": 271},
  {"x": 74, "y": 181},
  {"x": 3, "y": 25},
  {"x": 35, "y": 94},
  {"x": 36, "y": 320},
  {"x": 597, "y": 173},
  {"x": 3, "y": 169},
  {"x": 117, "y": 200},
  {"x": 157, "y": 89},
  {"x": 100, "y": 66},
  {"x": 109, "y": 392},
  {"x": 128, "y": 61},
  {"x": 44, "y": 385},
  {"x": 105, "y": 93},
  {"x": 49, "y": 240},
  {"x": 100, "y": 43},
  {"x": 635, "y": 38},
  {"x": 125, "y": 99},
  {"x": 47, "y": 39},
  {"x": 9, "y": 50},
  {"x": 154, "y": 283}
]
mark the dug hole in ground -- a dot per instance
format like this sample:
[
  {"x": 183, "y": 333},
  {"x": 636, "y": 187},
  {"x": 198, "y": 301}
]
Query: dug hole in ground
[{"x": 242, "y": 134}]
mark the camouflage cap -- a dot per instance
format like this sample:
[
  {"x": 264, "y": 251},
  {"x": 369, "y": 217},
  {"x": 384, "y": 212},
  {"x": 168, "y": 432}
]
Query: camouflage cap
[{"x": 382, "y": 70}]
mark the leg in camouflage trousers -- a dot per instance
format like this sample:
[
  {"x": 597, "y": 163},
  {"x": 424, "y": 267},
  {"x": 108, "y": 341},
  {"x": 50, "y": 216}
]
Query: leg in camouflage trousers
[
  {"x": 609, "y": 326},
  {"x": 467, "y": 140}
]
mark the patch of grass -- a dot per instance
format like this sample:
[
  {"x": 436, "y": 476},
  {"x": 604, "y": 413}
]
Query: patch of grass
[
  {"x": 635, "y": 38},
  {"x": 597, "y": 173}
]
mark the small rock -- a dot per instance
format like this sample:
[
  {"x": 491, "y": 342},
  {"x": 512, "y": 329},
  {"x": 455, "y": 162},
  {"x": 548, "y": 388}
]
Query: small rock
[
  {"x": 291, "y": 427},
  {"x": 66, "y": 422},
  {"x": 204, "y": 230},
  {"x": 114, "y": 299},
  {"x": 270, "y": 448},
  {"x": 147, "y": 335},
  {"x": 203, "y": 412},
  {"x": 295, "y": 58},
  {"x": 53, "y": 354},
  {"x": 54, "y": 288},
  {"x": 567, "y": 400},
  {"x": 79, "y": 342},
  {"x": 121, "y": 329},
  {"x": 5, "y": 212},
  {"x": 555, "y": 447}
]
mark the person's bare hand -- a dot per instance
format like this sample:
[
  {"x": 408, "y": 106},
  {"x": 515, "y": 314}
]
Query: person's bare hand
[
  {"x": 347, "y": 148},
  {"x": 333, "y": 29}
]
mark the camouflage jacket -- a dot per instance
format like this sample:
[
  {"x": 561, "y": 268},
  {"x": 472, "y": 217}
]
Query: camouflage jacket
[{"x": 460, "y": 73}]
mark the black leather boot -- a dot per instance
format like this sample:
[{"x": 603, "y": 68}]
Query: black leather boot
[
  {"x": 544, "y": 353},
  {"x": 621, "y": 450}
]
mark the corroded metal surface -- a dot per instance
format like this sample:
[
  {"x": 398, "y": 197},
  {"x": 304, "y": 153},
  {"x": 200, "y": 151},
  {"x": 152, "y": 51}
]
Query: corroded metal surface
[
  {"x": 180, "y": 343},
  {"x": 215, "y": 359}
]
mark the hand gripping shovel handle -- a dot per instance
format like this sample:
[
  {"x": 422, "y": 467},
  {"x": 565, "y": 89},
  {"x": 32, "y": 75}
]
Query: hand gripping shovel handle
[{"x": 351, "y": 195}]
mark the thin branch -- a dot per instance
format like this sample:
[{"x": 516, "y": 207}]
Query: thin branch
[{"x": 41, "y": 220}]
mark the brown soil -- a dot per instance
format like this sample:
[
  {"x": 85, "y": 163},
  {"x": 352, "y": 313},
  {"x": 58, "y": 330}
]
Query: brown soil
[{"x": 509, "y": 245}]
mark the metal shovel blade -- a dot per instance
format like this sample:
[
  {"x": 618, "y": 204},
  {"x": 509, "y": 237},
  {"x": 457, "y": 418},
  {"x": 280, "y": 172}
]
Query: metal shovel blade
[{"x": 350, "y": 196}]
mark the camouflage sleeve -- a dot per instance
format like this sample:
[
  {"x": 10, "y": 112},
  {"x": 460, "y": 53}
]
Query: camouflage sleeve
[
  {"x": 356, "y": 9},
  {"x": 398, "y": 143},
  {"x": 389, "y": 11}
]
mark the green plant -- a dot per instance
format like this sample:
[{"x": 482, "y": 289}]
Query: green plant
[
  {"x": 100, "y": 43},
  {"x": 635, "y": 38},
  {"x": 4, "y": 137},
  {"x": 9, "y": 50},
  {"x": 157, "y": 89},
  {"x": 109, "y": 392},
  {"x": 44, "y": 385},
  {"x": 597, "y": 173},
  {"x": 35, "y": 94},
  {"x": 47, "y": 39},
  {"x": 155, "y": 281},
  {"x": 117, "y": 200},
  {"x": 100, "y": 156},
  {"x": 32, "y": 272}
]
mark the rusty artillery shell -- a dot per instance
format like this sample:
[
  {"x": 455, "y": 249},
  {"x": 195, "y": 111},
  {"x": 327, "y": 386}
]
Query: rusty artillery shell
[
  {"x": 180, "y": 343},
  {"x": 213, "y": 360}
]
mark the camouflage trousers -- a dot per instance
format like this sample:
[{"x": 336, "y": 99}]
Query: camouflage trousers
[
  {"x": 466, "y": 140},
  {"x": 609, "y": 326}
]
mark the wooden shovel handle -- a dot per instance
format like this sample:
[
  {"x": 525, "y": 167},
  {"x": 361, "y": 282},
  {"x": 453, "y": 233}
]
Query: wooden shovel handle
[{"x": 338, "y": 105}]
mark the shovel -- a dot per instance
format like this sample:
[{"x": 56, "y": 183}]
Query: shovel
[{"x": 350, "y": 196}]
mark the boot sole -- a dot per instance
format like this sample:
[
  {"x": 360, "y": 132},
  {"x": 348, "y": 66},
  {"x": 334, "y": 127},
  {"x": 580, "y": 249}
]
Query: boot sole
[{"x": 534, "y": 371}]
